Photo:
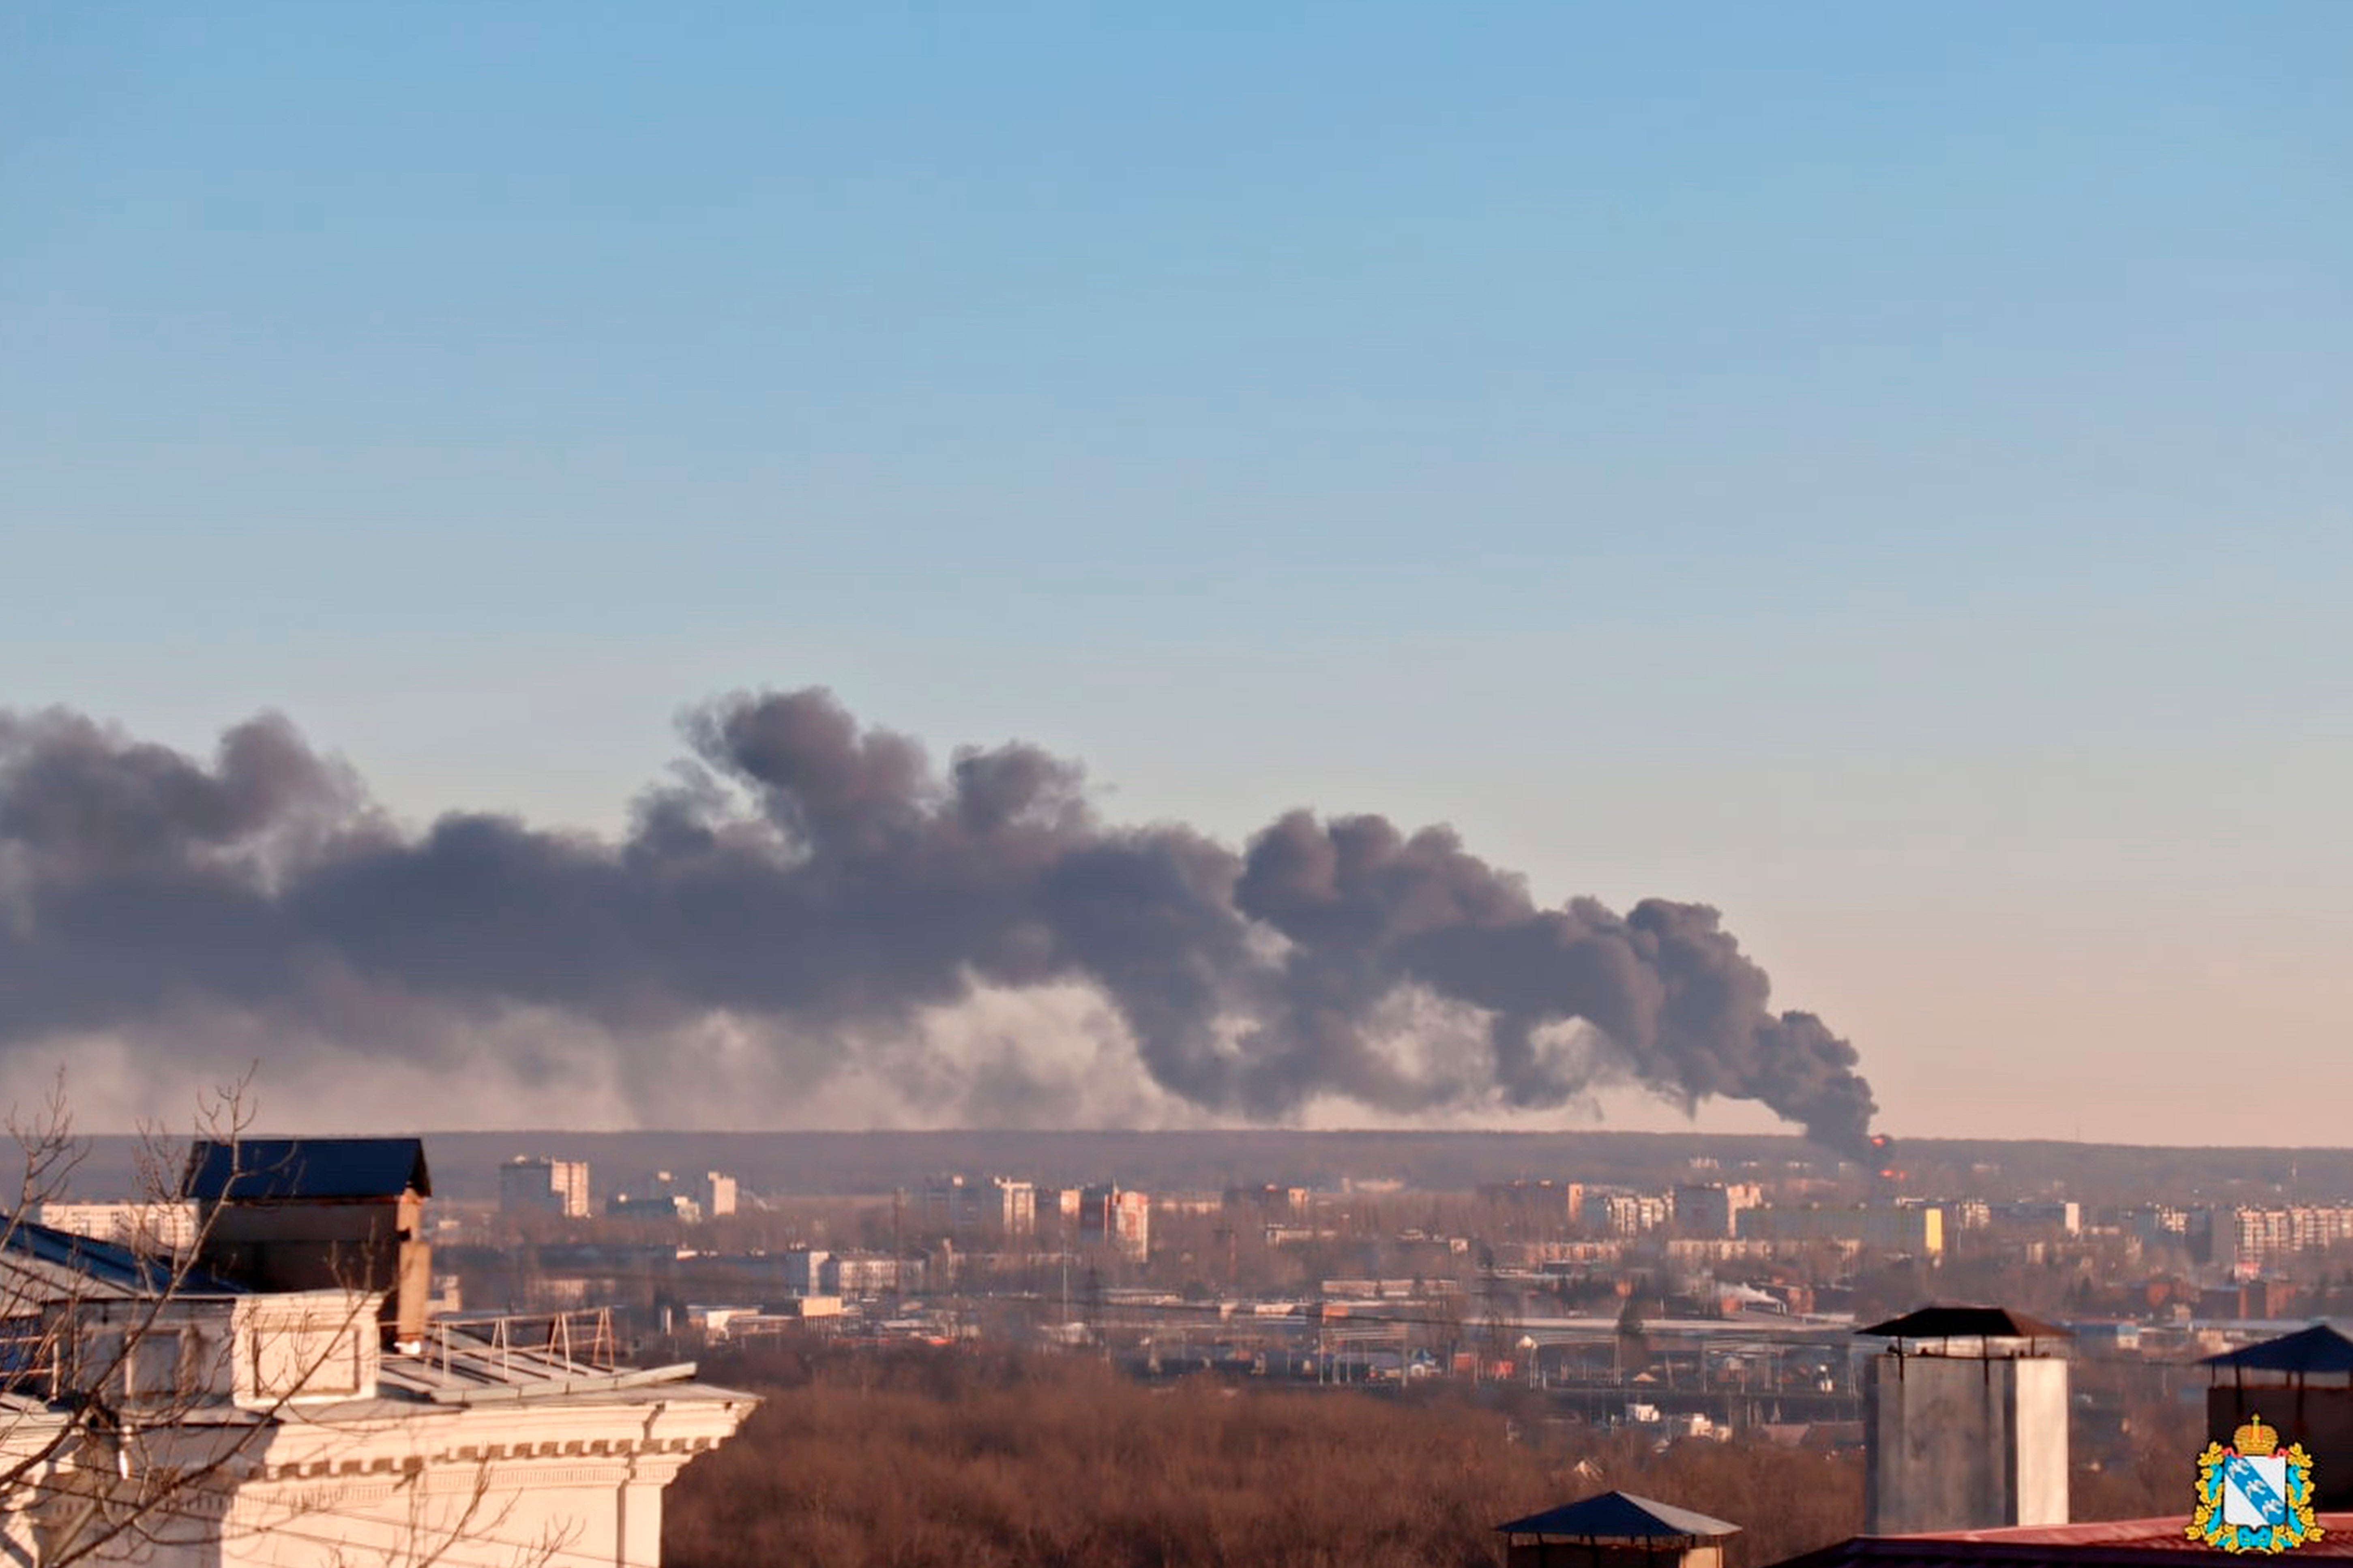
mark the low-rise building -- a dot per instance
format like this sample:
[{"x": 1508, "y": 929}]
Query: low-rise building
[
  {"x": 1919, "y": 1229},
  {"x": 143, "y": 1226}
]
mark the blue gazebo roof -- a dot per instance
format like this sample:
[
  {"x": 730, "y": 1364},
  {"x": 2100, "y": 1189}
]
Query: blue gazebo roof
[
  {"x": 1621, "y": 1516},
  {"x": 2319, "y": 1349}
]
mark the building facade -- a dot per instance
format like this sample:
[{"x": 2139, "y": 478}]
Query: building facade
[
  {"x": 1713, "y": 1209},
  {"x": 533, "y": 1183},
  {"x": 202, "y": 1415},
  {"x": 1116, "y": 1218},
  {"x": 1915, "y": 1229},
  {"x": 1626, "y": 1214},
  {"x": 968, "y": 1209}
]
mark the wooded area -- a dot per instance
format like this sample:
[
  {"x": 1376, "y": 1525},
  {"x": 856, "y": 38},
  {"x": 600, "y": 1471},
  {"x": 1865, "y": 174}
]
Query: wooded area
[{"x": 976, "y": 1460}]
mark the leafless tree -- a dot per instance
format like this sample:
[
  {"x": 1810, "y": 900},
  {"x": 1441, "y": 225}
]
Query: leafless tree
[{"x": 136, "y": 1388}]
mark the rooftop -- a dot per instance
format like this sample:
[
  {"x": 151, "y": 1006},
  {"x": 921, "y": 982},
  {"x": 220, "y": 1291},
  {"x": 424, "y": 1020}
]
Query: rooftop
[
  {"x": 1620, "y": 1516},
  {"x": 2319, "y": 1349},
  {"x": 267, "y": 1169},
  {"x": 1953, "y": 1321},
  {"x": 2118, "y": 1541},
  {"x": 42, "y": 1259}
]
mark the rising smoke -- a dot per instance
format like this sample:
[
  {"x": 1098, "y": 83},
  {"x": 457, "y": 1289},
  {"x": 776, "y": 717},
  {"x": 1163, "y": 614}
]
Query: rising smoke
[{"x": 814, "y": 887}]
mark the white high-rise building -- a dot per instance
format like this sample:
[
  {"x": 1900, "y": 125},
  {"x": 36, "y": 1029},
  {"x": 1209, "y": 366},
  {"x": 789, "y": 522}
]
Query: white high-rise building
[{"x": 715, "y": 1195}]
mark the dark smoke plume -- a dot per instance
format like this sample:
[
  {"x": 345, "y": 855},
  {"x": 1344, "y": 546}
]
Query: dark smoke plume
[{"x": 824, "y": 882}]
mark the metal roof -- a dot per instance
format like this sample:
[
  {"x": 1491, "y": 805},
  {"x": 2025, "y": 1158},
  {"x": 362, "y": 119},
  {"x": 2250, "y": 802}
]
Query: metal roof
[
  {"x": 2121, "y": 1542},
  {"x": 81, "y": 1266},
  {"x": 2317, "y": 1349},
  {"x": 269, "y": 1169},
  {"x": 468, "y": 1360},
  {"x": 484, "y": 1377},
  {"x": 1954, "y": 1320},
  {"x": 1621, "y": 1516}
]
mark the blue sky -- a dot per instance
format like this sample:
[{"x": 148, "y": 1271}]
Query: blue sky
[{"x": 1881, "y": 469}]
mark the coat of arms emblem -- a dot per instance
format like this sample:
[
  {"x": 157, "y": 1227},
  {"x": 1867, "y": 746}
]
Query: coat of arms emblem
[{"x": 2253, "y": 1496}]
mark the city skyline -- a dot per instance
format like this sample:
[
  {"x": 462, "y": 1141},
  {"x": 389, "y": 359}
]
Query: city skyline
[{"x": 1877, "y": 474}]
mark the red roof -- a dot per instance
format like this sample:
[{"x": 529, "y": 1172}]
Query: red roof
[{"x": 2111, "y": 1540}]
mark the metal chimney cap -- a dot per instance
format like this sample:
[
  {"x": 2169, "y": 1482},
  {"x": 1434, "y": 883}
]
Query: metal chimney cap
[{"x": 1956, "y": 1321}]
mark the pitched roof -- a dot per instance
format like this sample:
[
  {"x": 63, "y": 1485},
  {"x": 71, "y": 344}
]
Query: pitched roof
[
  {"x": 47, "y": 1260},
  {"x": 2317, "y": 1349},
  {"x": 262, "y": 1169},
  {"x": 1620, "y": 1516},
  {"x": 2117, "y": 1543},
  {"x": 1957, "y": 1321}
]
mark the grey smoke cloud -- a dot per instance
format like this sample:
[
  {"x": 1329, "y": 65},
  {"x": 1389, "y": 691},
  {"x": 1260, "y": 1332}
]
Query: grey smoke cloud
[{"x": 804, "y": 871}]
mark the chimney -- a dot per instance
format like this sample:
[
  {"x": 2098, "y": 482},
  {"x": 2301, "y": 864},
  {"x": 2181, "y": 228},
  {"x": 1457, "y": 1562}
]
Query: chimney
[
  {"x": 1965, "y": 1422},
  {"x": 311, "y": 1214}
]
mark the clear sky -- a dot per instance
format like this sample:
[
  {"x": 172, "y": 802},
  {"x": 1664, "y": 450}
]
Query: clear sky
[{"x": 1881, "y": 469}]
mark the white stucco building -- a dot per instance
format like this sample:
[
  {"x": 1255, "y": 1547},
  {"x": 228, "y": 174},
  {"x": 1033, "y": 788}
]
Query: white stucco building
[{"x": 163, "y": 1414}]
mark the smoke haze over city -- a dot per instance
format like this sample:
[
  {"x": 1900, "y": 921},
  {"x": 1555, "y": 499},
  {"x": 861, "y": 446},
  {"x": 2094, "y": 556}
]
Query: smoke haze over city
[
  {"x": 1879, "y": 475},
  {"x": 811, "y": 905}
]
